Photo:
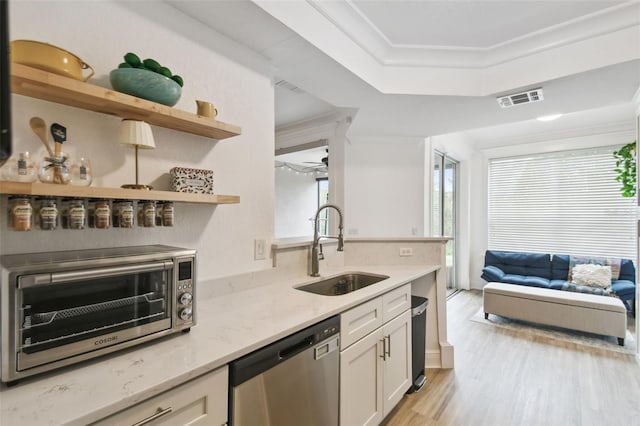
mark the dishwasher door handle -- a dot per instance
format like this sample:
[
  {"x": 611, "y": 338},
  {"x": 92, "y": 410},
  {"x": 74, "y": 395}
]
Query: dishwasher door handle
[{"x": 295, "y": 348}]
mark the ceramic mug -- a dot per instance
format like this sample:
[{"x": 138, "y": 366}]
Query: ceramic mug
[{"x": 206, "y": 109}]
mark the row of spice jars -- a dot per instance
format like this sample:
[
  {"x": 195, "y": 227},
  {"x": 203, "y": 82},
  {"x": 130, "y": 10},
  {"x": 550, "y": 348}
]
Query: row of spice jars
[{"x": 48, "y": 213}]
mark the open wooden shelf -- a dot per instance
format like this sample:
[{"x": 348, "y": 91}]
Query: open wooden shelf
[
  {"x": 40, "y": 84},
  {"x": 53, "y": 190}
]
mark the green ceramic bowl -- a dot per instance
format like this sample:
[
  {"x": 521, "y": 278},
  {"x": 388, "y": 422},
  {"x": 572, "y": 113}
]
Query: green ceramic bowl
[{"x": 146, "y": 85}]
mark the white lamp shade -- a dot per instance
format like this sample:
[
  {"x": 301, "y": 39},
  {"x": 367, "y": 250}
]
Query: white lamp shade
[{"x": 136, "y": 133}]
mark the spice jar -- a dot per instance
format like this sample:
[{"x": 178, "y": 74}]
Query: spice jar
[
  {"x": 101, "y": 214},
  {"x": 47, "y": 214},
  {"x": 74, "y": 215},
  {"x": 148, "y": 213},
  {"x": 20, "y": 213},
  {"x": 123, "y": 214},
  {"x": 159, "y": 207},
  {"x": 168, "y": 213}
]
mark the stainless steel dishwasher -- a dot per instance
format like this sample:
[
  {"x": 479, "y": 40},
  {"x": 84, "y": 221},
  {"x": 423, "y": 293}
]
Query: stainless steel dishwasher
[{"x": 293, "y": 381}]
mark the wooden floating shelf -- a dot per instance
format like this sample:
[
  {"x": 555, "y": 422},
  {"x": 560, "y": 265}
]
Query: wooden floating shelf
[
  {"x": 43, "y": 85},
  {"x": 53, "y": 190}
]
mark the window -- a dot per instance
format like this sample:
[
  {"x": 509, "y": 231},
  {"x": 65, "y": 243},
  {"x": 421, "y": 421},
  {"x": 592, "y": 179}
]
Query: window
[{"x": 566, "y": 203}]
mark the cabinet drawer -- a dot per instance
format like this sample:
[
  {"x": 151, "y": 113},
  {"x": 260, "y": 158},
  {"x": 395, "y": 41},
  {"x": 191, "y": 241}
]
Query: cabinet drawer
[
  {"x": 201, "y": 401},
  {"x": 396, "y": 302},
  {"x": 360, "y": 321}
]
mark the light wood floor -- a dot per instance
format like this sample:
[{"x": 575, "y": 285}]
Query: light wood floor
[{"x": 504, "y": 378}]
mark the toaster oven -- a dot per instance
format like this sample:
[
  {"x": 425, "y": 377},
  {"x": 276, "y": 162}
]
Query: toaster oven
[{"x": 59, "y": 308}]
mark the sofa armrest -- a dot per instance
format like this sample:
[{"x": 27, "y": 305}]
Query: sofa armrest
[{"x": 492, "y": 273}]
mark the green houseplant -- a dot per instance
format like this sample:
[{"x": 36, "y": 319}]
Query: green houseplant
[{"x": 626, "y": 168}]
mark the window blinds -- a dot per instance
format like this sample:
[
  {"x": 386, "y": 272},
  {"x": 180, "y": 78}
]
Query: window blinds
[{"x": 564, "y": 203}]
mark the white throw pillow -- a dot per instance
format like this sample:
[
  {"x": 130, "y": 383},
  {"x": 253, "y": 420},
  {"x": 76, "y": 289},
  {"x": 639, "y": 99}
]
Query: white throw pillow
[{"x": 591, "y": 275}]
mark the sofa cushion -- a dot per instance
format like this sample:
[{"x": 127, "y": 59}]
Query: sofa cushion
[
  {"x": 527, "y": 280},
  {"x": 492, "y": 273},
  {"x": 557, "y": 284},
  {"x": 627, "y": 271},
  {"x": 591, "y": 275},
  {"x": 624, "y": 289},
  {"x": 577, "y": 288},
  {"x": 560, "y": 268},
  {"x": 520, "y": 263}
]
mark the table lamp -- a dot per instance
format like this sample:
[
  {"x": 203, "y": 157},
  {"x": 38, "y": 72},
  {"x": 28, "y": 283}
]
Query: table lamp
[{"x": 137, "y": 134}]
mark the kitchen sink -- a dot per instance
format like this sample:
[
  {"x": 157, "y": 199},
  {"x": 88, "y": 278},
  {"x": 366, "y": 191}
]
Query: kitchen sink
[{"x": 342, "y": 284}]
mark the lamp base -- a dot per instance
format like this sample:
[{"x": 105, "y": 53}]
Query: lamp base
[{"x": 136, "y": 186}]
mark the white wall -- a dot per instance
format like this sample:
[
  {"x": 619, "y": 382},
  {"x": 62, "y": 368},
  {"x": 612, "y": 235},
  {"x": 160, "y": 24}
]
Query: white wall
[
  {"x": 100, "y": 33},
  {"x": 296, "y": 201},
  {"x": 384, "y": 187}
]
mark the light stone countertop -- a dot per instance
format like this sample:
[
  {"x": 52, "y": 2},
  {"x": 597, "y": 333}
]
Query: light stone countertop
[{"x": 228, "y": 327}]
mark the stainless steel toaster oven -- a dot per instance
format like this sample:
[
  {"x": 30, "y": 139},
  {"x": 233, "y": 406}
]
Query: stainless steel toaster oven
[{"x": 59, "y": 308}]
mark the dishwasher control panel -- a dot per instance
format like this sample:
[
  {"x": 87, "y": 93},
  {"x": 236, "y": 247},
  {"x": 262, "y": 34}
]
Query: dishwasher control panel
[{"x": 327, "y": 332}]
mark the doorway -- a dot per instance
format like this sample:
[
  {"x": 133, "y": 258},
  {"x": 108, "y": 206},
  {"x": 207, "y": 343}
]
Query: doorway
[{"x": 444, "y": 210}]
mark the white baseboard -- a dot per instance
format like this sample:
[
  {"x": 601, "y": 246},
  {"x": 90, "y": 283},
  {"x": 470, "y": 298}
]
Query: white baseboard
[{"x": 432, "y": 359}]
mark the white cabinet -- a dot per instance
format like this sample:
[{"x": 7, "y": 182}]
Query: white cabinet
[
  {"x": 396, "y": 302},
  {"x": 360, "y": 321},
  {"x": 375, "y": 370},
  {"x": 397, "y": 362},
  {"x": 201, "y": 401}
]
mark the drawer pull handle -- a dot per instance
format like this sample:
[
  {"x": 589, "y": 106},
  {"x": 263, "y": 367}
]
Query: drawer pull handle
[
  {"x": 388, "y": 345},
  {"x": 157, "y": 415},
  {"x": 384, "y": 349}
]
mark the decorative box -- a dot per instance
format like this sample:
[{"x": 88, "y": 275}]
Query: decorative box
[{"x": 196, "y": 181}]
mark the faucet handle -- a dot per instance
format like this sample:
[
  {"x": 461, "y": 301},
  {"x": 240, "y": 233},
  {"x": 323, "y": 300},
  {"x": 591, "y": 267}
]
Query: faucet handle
[{"x": 320, "y": 253}]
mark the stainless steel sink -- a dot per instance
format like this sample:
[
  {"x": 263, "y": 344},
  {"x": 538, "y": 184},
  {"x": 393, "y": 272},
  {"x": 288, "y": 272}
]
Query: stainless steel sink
[{"x": 342, "y": 284}]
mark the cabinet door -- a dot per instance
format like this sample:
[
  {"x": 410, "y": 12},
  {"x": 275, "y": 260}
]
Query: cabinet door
[
  {"x": 396, "y": 302},
  {"x": 397, "y": 364},
  {"x": 201, "y": 401},
  {"x": 361, "y": 382}
]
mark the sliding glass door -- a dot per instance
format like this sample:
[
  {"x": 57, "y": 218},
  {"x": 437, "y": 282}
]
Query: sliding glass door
[{"x": 443, "y": 214}]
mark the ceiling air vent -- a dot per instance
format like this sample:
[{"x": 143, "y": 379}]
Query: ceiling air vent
[
  {"x": 292, "y": 87},
  {"x": 533, "y": 95}
]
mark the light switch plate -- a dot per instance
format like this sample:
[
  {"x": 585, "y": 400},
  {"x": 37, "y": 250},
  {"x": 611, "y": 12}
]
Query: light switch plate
[{"x": 259, "y": 249}]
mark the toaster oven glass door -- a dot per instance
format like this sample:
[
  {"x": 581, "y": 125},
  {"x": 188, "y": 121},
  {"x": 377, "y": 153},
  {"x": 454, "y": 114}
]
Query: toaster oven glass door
[{"x": 69, "y": 313}]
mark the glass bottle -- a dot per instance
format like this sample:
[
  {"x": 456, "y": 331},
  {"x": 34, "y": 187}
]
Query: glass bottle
[
  {"x": 149, "y": 213},
  {"x": 47, "y": 214},
  {"x": 20, "y": 213},
  {"x": 81, "y": 173},
  {"x": 55, "y": 169},
  {"x": 123, "y": 214},
  {"x": 76, "y": 214},
  {"x": 21, "y": 170},
  {"x": 102, "y": 214},
  {"x": 168, "y": 213}
]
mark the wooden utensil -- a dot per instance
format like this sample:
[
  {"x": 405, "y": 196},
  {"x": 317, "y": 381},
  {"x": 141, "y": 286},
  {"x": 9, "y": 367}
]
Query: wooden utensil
[{"x": 39, "y": 127}]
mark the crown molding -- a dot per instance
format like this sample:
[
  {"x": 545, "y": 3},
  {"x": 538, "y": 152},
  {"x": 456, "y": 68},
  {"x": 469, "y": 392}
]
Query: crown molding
[
  {"x": 316, "y": 128},
  {"x": 348, "y": 18},
  {"x": 338, "y": 30}
]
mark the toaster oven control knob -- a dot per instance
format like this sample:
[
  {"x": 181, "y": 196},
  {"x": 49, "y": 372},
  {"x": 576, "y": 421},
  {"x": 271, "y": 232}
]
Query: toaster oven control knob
[
  {"x": 185, "y": 299},
  {"x": 186, "y": 314}
]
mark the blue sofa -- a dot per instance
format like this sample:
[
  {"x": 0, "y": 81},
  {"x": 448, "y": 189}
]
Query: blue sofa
[{"x": 552, "y": 271}]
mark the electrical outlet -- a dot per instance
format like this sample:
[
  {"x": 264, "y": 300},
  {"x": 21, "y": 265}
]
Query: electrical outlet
[
  {"x": 406, "y": 251},
  {"x": 259, "y": 249}
]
